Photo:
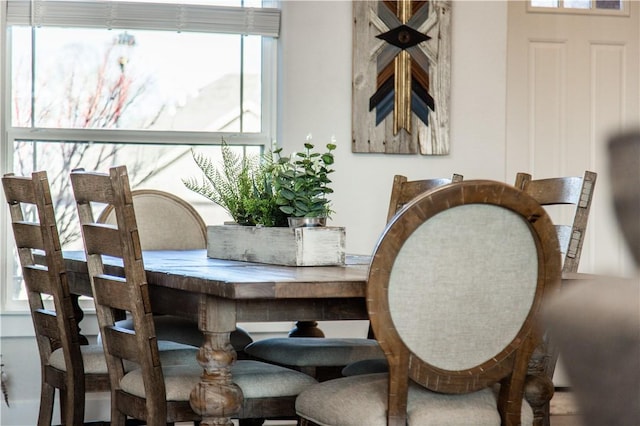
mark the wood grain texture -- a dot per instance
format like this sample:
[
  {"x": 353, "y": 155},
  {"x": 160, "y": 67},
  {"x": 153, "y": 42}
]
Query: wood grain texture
[
  {"x": 45, "y": 278},
  {"x": 509, "y": 365},
  {"x": 191, "y": 271},
  {"x": 576, "y": 193},
  {"x": 305, "y": 246},
  {"x": 434, "y": 55}
]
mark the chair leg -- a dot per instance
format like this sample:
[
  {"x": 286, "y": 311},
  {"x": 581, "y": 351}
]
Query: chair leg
[
  {"x": 47, "y": 398},
  {"x": 71, "y": 407},
  {"x": 117, "y": 418}
]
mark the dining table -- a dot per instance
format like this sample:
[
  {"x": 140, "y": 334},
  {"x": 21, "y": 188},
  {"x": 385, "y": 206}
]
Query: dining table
[{"x": 219, "y": 293}]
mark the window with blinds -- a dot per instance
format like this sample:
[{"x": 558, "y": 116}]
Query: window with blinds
[{"x": 94, "y": 84}]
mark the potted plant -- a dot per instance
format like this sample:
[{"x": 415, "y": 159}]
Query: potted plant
[
  {"x": 241, "y": 185},
  {"x": 301, "y": 184},
  {"x": 268, "y": 190}
]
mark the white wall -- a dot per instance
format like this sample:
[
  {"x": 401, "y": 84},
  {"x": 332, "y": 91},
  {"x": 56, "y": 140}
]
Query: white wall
[{"x": 315, "y": 97}]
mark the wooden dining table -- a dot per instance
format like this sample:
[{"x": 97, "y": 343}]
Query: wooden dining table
[{"x": 219, "y": 293}]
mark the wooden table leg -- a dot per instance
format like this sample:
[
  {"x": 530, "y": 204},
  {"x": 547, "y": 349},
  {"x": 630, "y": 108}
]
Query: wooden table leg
[
  {"x": 216, "y": 398},
  {"x": 79, "y": 314},
  {"x": 306, "y": 329}
]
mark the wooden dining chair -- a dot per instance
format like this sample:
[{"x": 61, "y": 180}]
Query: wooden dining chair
[
  {"x": 154, "y": 392},
  {"x": 67, "y": 362},
  {"x": 570, "y": 197},
  {"x": 325, "y": 358},
  {"x": 168, "y": 222},
  {"x": 574, "y": 191},
  {"x": 455, "y": 287}
]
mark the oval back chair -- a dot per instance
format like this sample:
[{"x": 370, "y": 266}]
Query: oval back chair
[
  {"x": 455, "y": 287},
  {"x": 165, "y": 221}
]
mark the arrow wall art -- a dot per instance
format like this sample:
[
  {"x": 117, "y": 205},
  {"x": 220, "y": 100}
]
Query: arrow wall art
[{"x": 401, "y": 80}]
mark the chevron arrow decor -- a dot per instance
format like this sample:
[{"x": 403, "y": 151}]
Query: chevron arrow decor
[{"x": 401, "y": 76}]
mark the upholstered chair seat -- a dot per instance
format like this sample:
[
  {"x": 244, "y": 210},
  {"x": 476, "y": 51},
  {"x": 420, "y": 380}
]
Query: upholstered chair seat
[
  {"x": 181, "y": 330},
  {"x": 256, "y": 379},
  {"x": 362, "y": 400},
  {"x": 171, "y": 353},
  {"x": 314, "y": 351},
  {"x": 366, "y": 366}
]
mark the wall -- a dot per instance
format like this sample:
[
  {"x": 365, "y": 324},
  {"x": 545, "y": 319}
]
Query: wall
[{"x": 315, "y": 97}]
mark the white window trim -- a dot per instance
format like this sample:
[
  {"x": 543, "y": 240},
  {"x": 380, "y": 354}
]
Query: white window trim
[
  {"x": 240, "y": 18},
  {"x": 575, "y": 11}
]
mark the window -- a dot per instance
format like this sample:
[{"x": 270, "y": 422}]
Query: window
[
  {"x": 99, "y": 83},
  {"x": 599, "y": 7}
]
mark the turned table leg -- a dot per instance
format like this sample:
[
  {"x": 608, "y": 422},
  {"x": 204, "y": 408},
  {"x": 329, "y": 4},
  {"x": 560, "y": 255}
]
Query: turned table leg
[
  {"x": 306, "y": 329},
  {"x": 216, "y": 398}
]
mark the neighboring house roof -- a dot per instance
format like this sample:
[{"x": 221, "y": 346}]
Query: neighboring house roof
[{"x": 216, "y": 107}]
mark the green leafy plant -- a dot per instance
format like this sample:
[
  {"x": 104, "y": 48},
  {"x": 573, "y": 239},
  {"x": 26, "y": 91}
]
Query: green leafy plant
[
  {"x": 241, "y": 185},
  {"x": 301, "y": 182}
]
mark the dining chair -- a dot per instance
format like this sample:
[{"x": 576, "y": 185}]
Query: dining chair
[
  {"x": 575, "y": 191},
  {"x": 67, "y": 362},
  {"x": 154, "y": 392},
  {"x": 325, "y": 358},
  {"x": 168, "y": 222},
  {"x": 455, "y": 286},
  {"x": 568, "y": 200}
]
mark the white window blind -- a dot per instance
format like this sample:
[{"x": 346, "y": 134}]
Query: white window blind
[{"x": 145, "y": 16}]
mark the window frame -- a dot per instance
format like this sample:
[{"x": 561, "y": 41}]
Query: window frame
[
  {"x": 577, "y": 11},
  {"x": 9, "y": 134}
]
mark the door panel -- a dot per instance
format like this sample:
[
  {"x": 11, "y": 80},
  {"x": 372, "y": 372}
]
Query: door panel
[{"x": 572, "y": 80}]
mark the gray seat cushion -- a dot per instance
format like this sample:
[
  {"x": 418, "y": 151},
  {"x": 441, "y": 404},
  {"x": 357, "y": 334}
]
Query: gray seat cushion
[
  {"x": 171, "y": 353},
  {"x": 362, "y": 400},
  {"x": 366, "y": 366},
  {"x": 92, "y": 359},
  {"x": 177, "y": 329},
  {"x": 256, "y": 379},
  {"x": 314, "y": 351}
]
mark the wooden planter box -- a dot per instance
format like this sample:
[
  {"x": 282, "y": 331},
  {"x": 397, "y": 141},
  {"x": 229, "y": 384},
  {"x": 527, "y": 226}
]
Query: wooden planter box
[{"x": 318, "y": 246}]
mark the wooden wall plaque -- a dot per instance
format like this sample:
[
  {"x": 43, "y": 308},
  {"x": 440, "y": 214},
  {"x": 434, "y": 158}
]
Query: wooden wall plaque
[{"x": 401, "y": 77}]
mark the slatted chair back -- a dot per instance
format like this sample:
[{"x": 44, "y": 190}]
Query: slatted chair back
[
  {"x": 558, "y": 193},
  {"x": 571, "y": 190},
  {"x": 128, "y": 292},
  {"x": 454, "y": 289},
  {"x": 165, "y": 221},
  {"x": 404, "y": 190},
  {"x": 55, "y": 322},
  {"x": 145, "y": 391},
  {"x": 168, "y": 222}
]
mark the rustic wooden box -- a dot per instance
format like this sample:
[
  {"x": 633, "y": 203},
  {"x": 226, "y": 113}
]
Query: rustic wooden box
[{"x": 306, "y": 246}]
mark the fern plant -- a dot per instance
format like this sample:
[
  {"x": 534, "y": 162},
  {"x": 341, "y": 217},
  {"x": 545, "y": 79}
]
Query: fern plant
[{"x": 241, "y": 185}]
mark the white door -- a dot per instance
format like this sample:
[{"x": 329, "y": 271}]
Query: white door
[{"x": 572, "y": 79}]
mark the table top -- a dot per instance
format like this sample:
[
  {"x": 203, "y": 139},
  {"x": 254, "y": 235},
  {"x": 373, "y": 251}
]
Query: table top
[{"x": 193, "y": 271}]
